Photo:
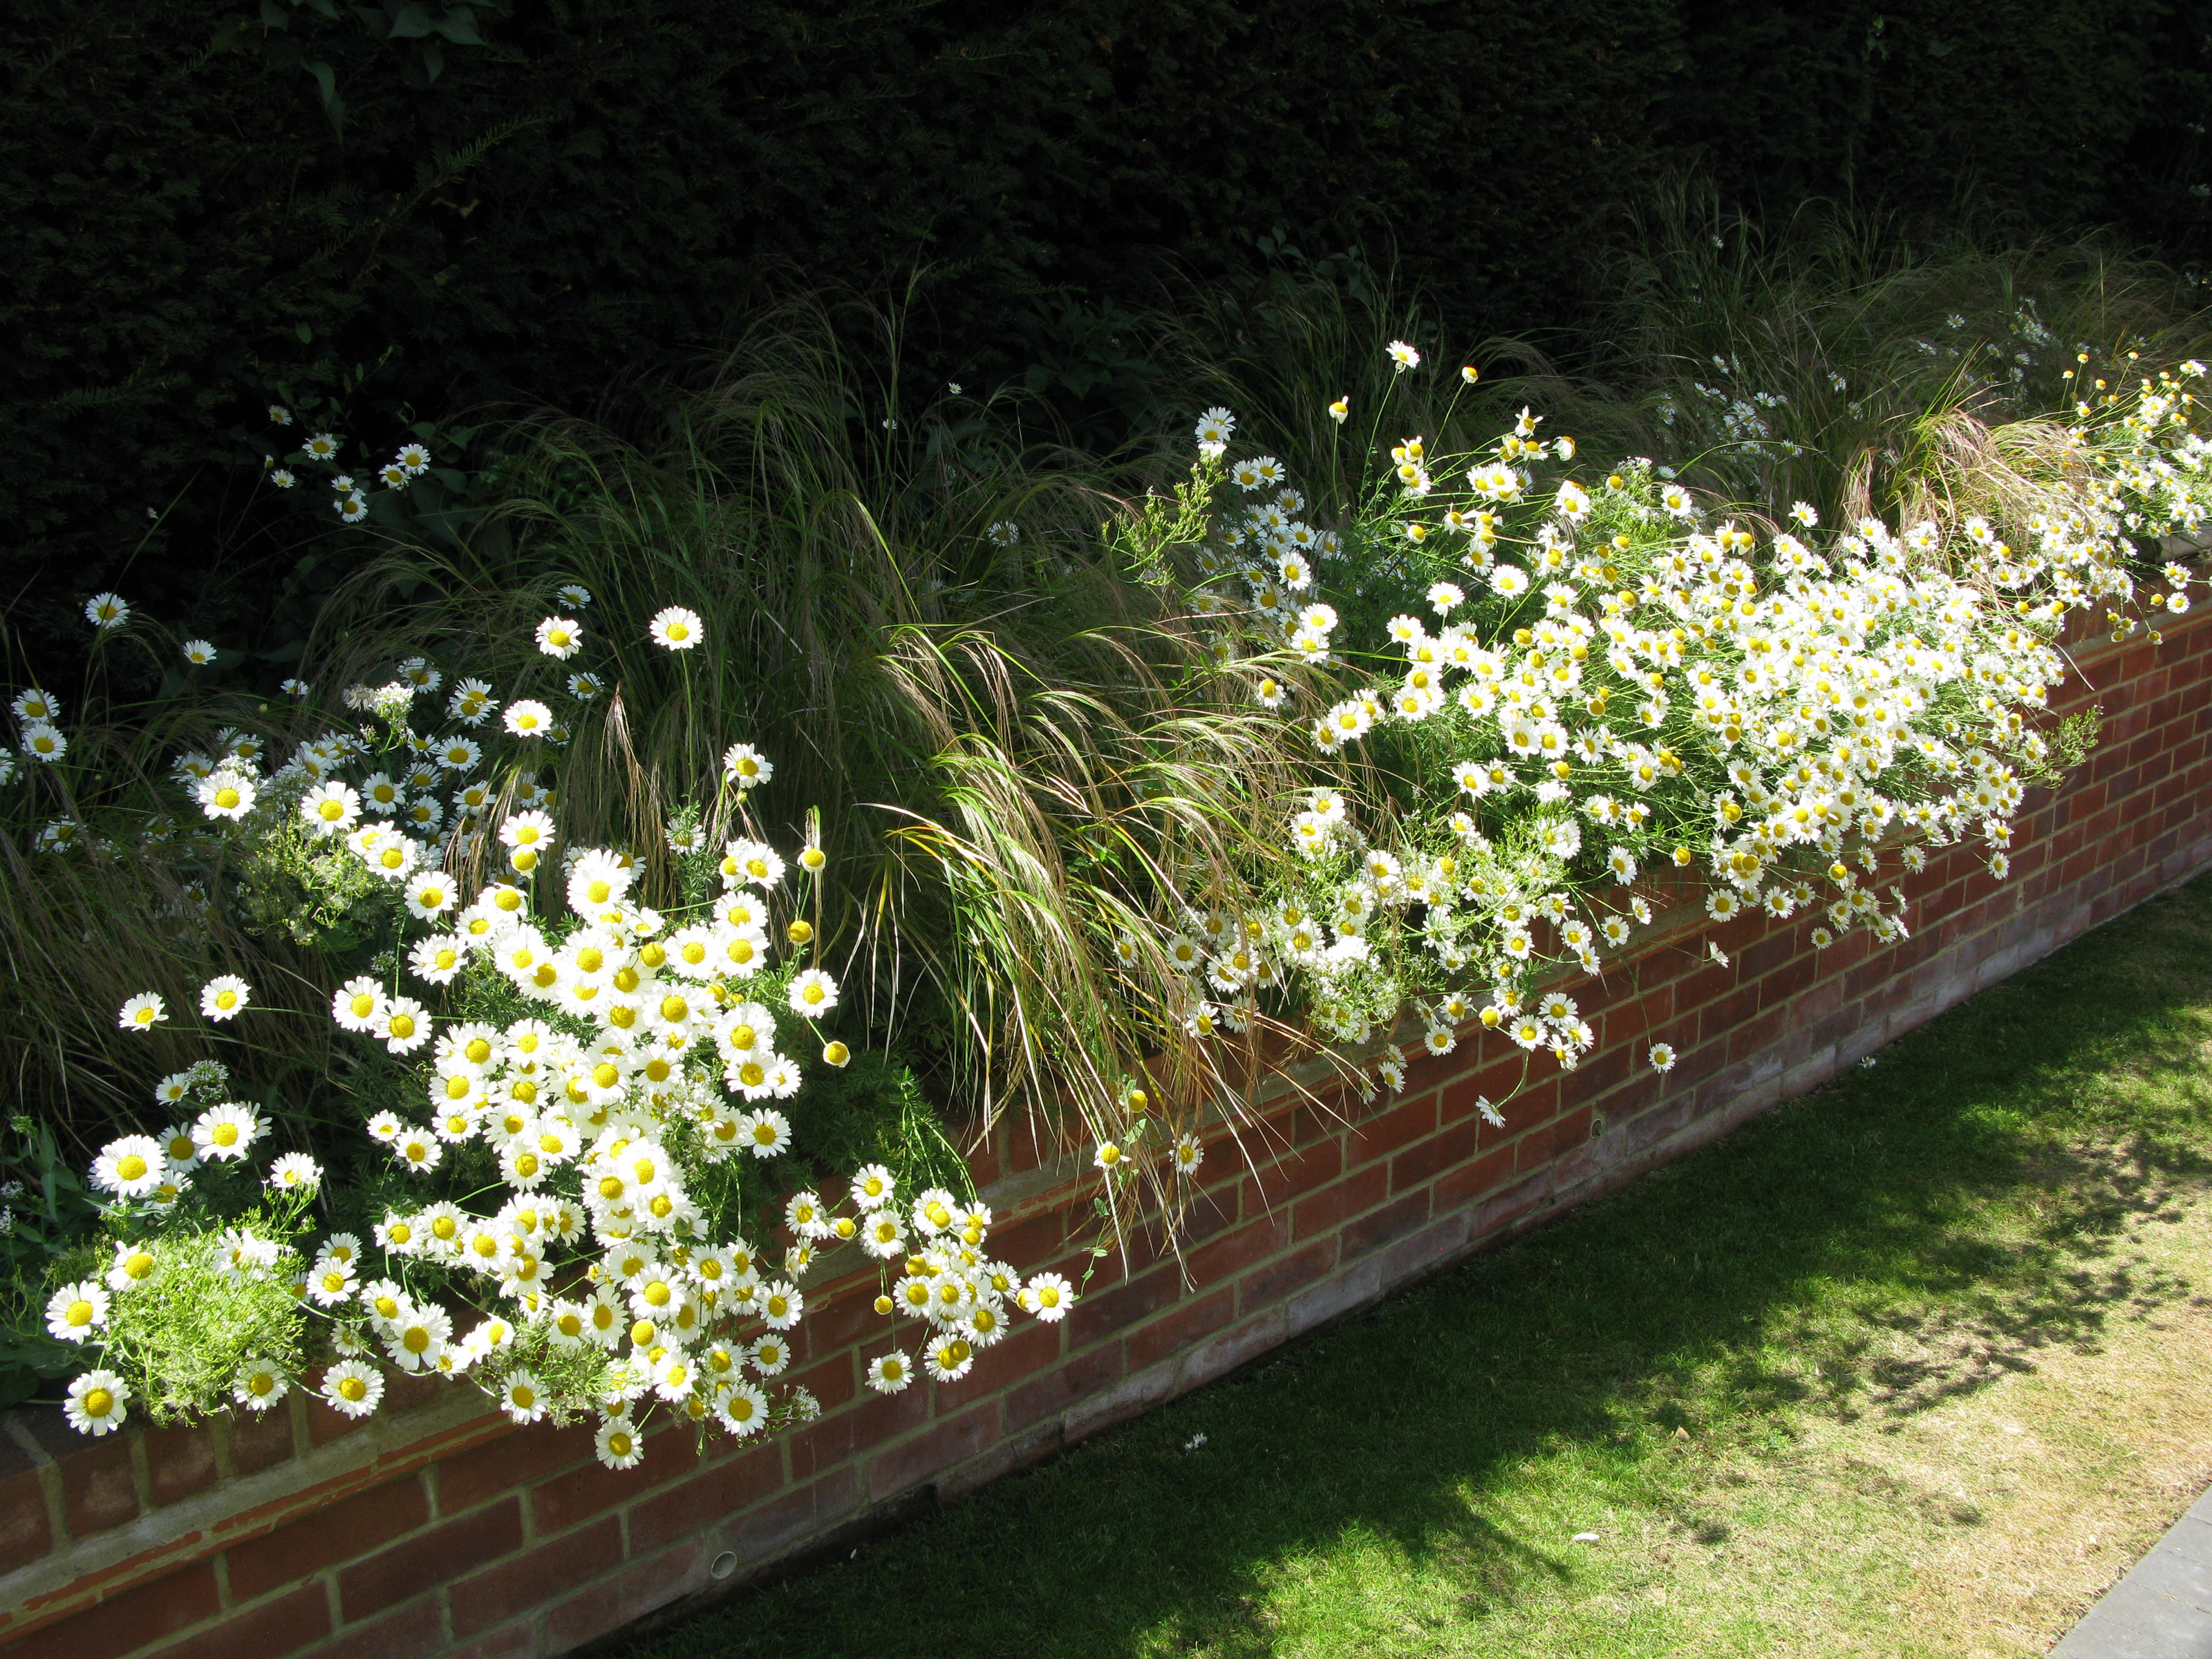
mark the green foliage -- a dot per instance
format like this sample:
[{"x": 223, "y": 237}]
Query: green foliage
[
  {"x": 212, "y": 206},
  {"x": 874, "y": 1111},
  {"x": 48, "y": 1213},
  {"x": 2069, "y": 115},
  {"x": 309, "y": 891},
  {"x": 184, "y": 1335}
]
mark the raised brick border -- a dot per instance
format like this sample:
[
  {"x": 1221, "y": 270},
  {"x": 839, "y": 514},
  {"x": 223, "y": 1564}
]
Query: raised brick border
[{"x": 440, "y": 1530}]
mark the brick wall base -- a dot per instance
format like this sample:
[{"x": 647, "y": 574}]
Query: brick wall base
[{"x": 440, "y": 1530}]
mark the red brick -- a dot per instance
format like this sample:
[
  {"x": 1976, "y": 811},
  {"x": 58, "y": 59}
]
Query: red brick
[
  {"x": 1208, "y": 1214},
  {"x": 1764, "y": 955},
  {"x": 1790, "y": 978},
  {"x": 515, "y": 1642},
  {"x": 508, "y": 1461},
  {"x": 1498, "y": 1212},
  {"x": 1758, "y": 1035},
  {"x": 1722, "y": 1013},
  {"x": 342, "y": 1532},
  {"x": 985, "y": 1162},
  {"x": 1384, "y": 1134},
  {"x": 1033, "y": 1345},
  {"x": 284, "y": 1625},
  {"x": 259, "y": 1440},
  {"x": 429, "y": 1559},
  {"x": 799, "y": 1513},
  {"x": 1323, "y": 1211},
  {"x": 1425, "y": 1073},
  {"x": 1418, "y": 1165},
  {"x": 536, "y": 1577},
  {"x": 416, "y": 1629},
  {"x": 717, "y": 1492},
  {"x": 1034, "y": 1240},
  {"x": 1042, "y": 1396},
  {"x": 581, "y": 1493},
  {"x": 1101, "y": 1313},
  {"x": 1265, "y": 1285},
  {"x": 1495, "y": 1081},
  {"x": 99, "y": 1490},
  {"x": 833, "y": 1326},
  {"x": 1599, "y": 1075},
  {"x": 25, "y": 1534},
  {"x": 179, "y": 1461},
  {"x": 1523, "y": 1111},
  {"x": 823, "y": 1444},
  {"x": 130, "y": 1620},
  {"x": 1224, "y": 1258},
  {"x": 1179, "y": 1327},
  {"x": 1467, "y": 1181},
  {"x": 1380, "y": 1227},
  {"x": 324, "y": 1426},
  {"x": 932, "y": 1452},
  {"x": 626, "y": 1596},
  {"x": 1282, "y": 1182},
  {"x": 833, "y": 1381}
]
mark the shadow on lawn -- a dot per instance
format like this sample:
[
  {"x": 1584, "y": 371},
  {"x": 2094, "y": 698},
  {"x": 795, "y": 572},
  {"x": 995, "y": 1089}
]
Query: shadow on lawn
[{"x": 1906, "y": 1235}]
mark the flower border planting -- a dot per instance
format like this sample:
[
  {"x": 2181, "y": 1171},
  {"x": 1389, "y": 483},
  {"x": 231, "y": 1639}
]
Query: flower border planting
[{"x": 440, "y": 1528}]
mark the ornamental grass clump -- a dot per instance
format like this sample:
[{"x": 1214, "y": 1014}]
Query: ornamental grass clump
[{"x": 962, "y": 646}]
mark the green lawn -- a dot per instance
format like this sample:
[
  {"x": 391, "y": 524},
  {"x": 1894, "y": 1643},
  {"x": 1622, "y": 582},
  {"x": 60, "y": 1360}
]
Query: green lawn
[{"x": 1909, "y": 1366}]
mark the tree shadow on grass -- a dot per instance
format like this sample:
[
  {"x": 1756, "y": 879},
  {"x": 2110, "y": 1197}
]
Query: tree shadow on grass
[{"x": 1903, "y": 1236}]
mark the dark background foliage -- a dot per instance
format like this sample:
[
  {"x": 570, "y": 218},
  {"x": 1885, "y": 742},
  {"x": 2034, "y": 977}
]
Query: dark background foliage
[{"x": 407, "y": 211}]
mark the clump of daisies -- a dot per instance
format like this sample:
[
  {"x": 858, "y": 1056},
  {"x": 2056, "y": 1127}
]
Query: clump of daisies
[
  {"x": 1600, "y": 686},
  {"x": 657, "y": 1053}
]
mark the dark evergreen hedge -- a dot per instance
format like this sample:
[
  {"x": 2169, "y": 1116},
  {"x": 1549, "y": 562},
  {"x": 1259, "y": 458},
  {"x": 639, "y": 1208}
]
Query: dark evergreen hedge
[{"x": 598, "y": 184}]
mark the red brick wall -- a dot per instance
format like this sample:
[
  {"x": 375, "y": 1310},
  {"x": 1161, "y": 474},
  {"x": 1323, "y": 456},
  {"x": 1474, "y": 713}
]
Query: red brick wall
[{"x": 442, "y": 1531}]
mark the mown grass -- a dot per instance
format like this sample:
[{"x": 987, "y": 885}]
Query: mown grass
[{"x": 1909, "y": 1366}]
